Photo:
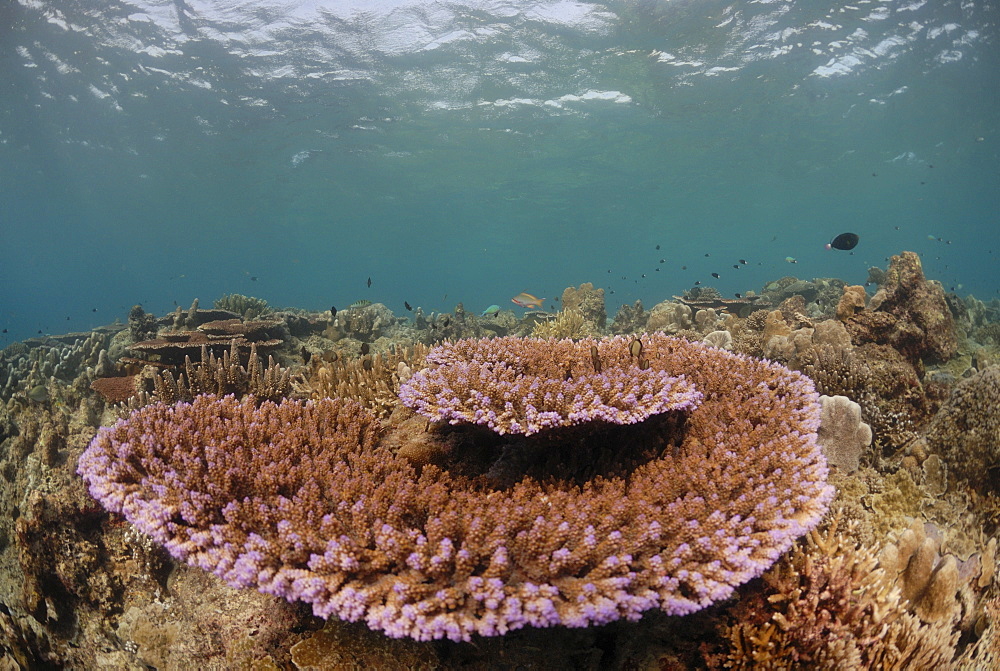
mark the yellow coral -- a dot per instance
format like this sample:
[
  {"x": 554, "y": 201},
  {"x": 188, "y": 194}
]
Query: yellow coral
[{"x": 568, "y": 323}]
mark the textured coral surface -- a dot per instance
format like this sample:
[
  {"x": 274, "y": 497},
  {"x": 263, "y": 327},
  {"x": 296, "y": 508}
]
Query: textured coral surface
[{"x": 297, "y": 500}]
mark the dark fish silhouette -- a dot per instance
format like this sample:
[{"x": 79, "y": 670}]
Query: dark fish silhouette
[
  {"x": 333, "y": 311},
  {"x": 715, "y": 275},
  {"x": 407, "y": 306},
  {"x": 369, "y": 283},
  {"x": 365, "y": 348},
  {"x": 844, "y": 242}
]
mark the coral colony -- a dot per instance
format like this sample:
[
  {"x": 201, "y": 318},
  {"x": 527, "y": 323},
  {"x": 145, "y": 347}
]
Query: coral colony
[{"x": 304, "y": 500}]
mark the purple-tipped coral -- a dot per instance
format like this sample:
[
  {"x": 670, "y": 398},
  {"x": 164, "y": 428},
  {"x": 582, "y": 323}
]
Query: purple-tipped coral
[
  {"x": 525, "y": 385},
  {"x": 301, "y": 500}
]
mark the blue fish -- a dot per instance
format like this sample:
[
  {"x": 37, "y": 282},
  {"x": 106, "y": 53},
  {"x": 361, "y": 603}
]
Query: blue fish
[{"x": 491, "y": 310}]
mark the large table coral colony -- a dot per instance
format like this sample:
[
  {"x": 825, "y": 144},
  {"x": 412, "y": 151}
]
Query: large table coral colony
[{"x": 304, "y": 499}]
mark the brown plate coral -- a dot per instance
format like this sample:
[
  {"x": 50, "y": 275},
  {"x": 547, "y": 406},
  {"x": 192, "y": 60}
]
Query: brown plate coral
[{"x": 302, "y": 500}]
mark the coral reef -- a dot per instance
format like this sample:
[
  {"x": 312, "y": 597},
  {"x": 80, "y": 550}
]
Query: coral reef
[
  {"x": 82, "y": 588},
  {"x": 830, "y": 605},
  {"x": 852, "y": 302},
  {"x": 842, "y": 434},
  {"x": 909, "y": 313},
  {"x": 589, "y": 302},
  {"x": 966, "y": 430},
  {"x": 372, "y": 380},
  {"x": 247, "y": 307},
  {"x": 569, "y": 323},
  {"x": 427, "y": 554},
  {"x": 524, "y": 386}
]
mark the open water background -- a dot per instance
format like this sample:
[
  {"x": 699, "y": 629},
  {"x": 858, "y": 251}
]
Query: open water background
[{"x": 161, "y": 150}]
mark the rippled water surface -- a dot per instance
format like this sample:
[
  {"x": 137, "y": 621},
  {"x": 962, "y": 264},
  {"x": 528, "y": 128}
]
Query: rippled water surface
[{"x": 158, "y": 151}]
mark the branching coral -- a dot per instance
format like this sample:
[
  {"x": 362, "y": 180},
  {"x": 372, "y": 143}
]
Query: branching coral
[
  {"x": 247, "y": 307},
  {"x": 216, "y": 375},
  {"x": 299, "y": 500},
  {"x": 829, "y": 605},
  {"x": 372, "y": 380},
  {"x": 523, "y": 385},
  {"x": 569, "y": 323}
]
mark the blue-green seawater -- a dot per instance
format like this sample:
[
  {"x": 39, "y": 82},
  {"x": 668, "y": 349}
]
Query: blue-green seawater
[{"x": 157, "y": 152}]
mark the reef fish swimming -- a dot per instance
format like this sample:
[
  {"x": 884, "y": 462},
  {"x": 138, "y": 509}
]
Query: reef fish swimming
[
  {"x": 844, "y": 242},
  {"x": 526, "y": 300},
  {"x": 491, "y": 310},
  {"x": 364, "y": 302}
]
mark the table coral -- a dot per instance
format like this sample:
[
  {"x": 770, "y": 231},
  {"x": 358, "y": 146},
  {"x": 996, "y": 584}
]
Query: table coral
[
  {"x": 526, "y": 385},
  {"x": 301, "y": 500}
]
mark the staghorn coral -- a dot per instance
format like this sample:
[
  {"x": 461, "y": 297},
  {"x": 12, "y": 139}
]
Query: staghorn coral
[
  {"x": 297, "y": 500},
  {"x": 524, "y": 385},
  {"x": 214, "y": 375},
  {"x": 569, "y": 323},
  {"x": 372, "y": 380}
]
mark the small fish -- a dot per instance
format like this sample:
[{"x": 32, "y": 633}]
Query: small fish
[
  {"x": 38, "y": 394},
  {"x": 365, "y": 348},
  {"x": 305, "y": 354},
  {"x": 595, "y": 358},
  {"x": 715, "y": 275},
  {"x": 657, "y": 246},
  {"x": 364, "y": 302},
  {"x": 736, "y": 266},
  {"x": 408, "y": 306},
  {"x": 707, "y": 254},
  {"x": 491, "y": 310},
  {"x": 94, "y": 310},
  {"x": 697, "y": 282},
  {"x": 790, "y": 259},
  {"x": 526, "y": 300},
  {"x": 369, "y": 283},
  {"x": 844, "y": 242},
  {"x": 662, "y": 260},
  {"x": 333, "y": 311},
  {"x": 635, "y": 348},
  {"x": 253, "y": 278},
  {"x": 445, "y": 322},
  {"x": 5, "y": 330},
  {"x": 743, "y": 261}
]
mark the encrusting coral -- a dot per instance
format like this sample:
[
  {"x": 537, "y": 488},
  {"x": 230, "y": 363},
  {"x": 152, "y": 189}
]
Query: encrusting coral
[
  {"x": 966, "y": 430},
  {"x": 301, "y": 500}
]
